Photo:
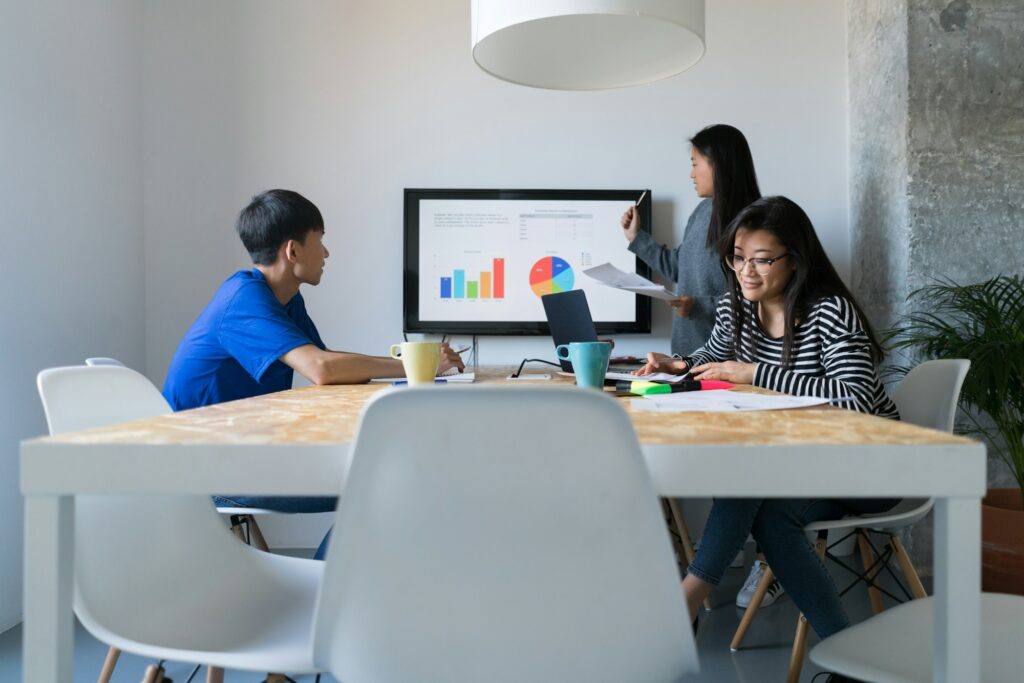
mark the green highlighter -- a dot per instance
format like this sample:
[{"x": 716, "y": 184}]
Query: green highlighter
[{"x": 646, "y": 388}]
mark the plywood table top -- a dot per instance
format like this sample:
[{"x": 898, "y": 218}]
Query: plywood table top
[{"x": 329, "y": 415}]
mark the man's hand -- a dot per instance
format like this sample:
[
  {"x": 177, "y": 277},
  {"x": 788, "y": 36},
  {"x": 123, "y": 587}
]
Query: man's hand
[
  {"x": 630, "y": 223},
  {"x": 449, "y": 359},
  {"x": 682, "y": 305},
  {"x": 659, "y": 362},
  {"x": 729, "y": 371}
]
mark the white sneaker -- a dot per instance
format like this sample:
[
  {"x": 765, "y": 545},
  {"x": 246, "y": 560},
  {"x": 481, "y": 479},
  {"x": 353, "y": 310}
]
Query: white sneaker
[{"x": 746, "y": 593}]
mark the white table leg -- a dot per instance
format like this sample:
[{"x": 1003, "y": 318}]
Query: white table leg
[
  {"x": 48, "y": 644},
  {"x": 957, "y": 590}
]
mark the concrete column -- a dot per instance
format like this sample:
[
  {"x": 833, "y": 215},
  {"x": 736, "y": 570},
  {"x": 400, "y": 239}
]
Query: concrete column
[{"x": 936, "y": 154}]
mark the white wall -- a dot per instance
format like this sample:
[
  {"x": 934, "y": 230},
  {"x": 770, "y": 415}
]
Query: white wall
[
  {"x": 349, "y": 102},
  {"x": 71, "y": 192}
]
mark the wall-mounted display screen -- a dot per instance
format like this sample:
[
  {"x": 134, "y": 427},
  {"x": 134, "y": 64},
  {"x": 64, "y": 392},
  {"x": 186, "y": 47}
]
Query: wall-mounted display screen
[{"x": 478, "y": 261}]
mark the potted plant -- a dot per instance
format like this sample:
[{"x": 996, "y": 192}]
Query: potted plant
[{"x": 984, "y": 323}]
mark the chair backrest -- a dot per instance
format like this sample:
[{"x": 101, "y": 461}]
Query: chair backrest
[
  {"x": 500, "y": 534},
  {"x": 928, "y": 395},
  {"x": 82, "y": 397},
  {"x": 103, "y": 360},
  {"x": 133, "y": 554}
]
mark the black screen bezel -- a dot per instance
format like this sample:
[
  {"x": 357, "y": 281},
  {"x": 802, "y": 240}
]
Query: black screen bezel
[{"x": 410, "y": 299}]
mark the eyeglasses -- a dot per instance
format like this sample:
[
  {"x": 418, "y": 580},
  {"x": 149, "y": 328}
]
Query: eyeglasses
[{"x": 761, "y": 265}]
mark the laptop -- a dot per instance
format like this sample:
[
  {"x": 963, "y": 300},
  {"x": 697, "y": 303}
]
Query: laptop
[{"x": 569, "y": 319}]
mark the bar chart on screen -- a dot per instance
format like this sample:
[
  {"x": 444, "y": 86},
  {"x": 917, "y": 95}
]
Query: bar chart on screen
[{"x": 488, "y": 284}]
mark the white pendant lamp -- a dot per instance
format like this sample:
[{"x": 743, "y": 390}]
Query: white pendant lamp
[{"x": 586, "y": 44}]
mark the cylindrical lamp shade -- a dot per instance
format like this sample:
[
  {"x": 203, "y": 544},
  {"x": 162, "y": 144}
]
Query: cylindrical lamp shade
[{"x": 586, "y": 44}]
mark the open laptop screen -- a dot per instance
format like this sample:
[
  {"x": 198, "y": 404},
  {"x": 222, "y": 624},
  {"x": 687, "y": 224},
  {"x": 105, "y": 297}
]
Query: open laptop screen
[{"x": 569, "y": 319}]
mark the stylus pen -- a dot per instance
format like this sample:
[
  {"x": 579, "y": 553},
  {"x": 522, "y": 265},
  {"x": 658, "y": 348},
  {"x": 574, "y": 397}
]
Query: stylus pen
[{"x": 641, "y": 198}]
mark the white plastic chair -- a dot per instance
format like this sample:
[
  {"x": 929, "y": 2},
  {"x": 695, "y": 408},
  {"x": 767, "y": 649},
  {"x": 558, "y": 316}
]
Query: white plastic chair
[
  {"x": 175, "y": 585},
  {"x": 103, "y": 360},
  {"x": 897, "y": 646},
  {"x": 927, "y": 396},
  {"x": 504, "y": 535},
  {"x": 242, "y": 520}
]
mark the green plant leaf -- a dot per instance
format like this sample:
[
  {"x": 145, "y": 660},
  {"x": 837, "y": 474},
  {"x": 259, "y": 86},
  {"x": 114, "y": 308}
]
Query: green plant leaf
[{"x": 983, "y": 322}]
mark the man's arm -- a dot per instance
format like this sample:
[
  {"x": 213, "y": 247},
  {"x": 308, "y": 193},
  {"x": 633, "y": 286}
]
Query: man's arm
[{"x": 339, "y": 367}]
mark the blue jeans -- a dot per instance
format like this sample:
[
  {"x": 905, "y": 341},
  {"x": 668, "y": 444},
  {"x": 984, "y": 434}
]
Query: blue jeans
[
  {"x": 285, "y": 504},
  {"x": 778, "y": 527}
]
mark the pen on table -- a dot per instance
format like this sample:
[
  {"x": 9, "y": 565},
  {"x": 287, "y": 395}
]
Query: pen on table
[
  {"x": 402, "y": 382},
  {"x": 641, "y": 198}
]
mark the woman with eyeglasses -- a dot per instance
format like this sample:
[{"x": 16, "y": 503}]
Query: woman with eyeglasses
[
  {"x": 788, "y": 323},
  {"x": 723, "y": 176}
]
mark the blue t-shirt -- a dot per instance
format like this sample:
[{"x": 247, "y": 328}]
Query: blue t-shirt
[{"x": 232, "y": 349}]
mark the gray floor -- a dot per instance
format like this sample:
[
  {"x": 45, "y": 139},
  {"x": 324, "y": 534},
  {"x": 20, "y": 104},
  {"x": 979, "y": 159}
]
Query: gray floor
[{"x": 764, "y": 658}]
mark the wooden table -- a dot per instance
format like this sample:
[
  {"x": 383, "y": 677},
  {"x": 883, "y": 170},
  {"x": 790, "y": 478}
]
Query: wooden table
[{"x": 288, "y": 444}]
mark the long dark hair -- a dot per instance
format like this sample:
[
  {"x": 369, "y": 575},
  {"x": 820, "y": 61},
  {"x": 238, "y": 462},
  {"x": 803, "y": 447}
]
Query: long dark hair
[
  {"x": 735, "y": 181},
  {"x": 813, "y": 279}
]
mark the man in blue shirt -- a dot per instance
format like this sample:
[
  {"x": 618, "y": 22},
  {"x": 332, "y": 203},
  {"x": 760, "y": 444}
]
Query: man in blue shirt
[{"x": 255, "y": 332}]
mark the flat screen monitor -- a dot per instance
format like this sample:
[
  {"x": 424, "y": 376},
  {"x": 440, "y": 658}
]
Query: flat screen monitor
[{"x": 479, "y": 261}]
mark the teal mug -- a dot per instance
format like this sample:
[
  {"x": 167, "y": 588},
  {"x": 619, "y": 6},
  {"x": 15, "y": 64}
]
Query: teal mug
[{"x": 589, "y": 361}]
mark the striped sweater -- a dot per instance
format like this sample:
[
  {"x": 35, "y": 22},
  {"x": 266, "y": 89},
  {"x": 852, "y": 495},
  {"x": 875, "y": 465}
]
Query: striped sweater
[{"x": 831, "y": 355}]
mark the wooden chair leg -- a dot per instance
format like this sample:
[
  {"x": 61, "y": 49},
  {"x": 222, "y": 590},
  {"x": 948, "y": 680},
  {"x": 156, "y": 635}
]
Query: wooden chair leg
[
  {"x": 751, "y": 611},
  {"x": 796, "y": 657},
  {"x": 675, "y": 537},
  {"x": 909, "y": 573},
  {"x": 867, "y": 558},
  {"x": 153, "y": 672},
  {"x": 108, "y": 665},
  {"x": 684, "y": 536},
  {"x": 214, "y": 674},
  {"x": 684, "y": 533},
  {"x": 236, "y": 529},
  {"x": 256, "y": 535}
]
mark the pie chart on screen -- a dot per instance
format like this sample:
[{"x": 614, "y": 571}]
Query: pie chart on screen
[{"x": 551, "y": 275}]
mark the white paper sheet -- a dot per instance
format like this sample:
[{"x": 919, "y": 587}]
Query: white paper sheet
[
  {"x": 609, "y": 275},
  {"x": 721, "y": 401}
]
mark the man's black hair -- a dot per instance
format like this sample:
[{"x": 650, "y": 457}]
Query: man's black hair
[{"x": 274, "y": 217}]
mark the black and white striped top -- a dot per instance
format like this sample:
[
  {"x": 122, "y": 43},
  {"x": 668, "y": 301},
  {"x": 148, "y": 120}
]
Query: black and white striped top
[{"x": 831, "y": 355}]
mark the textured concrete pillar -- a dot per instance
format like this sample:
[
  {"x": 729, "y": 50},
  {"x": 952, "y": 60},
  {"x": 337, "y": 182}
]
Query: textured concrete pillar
[{"x": 936, "y": 154}]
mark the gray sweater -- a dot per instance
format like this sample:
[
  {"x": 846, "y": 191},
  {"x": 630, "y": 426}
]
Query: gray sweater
[{"x": 697, "y": 272}]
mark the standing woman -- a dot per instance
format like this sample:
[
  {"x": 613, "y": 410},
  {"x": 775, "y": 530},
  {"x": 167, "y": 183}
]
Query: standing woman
[
  {"x": 723, "y": 176},
  {"x": 787, "y": 323}
]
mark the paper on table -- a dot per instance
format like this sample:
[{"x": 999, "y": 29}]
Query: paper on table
[
  {"x": 609, "y": 275},
  {"x": 653, "y": 377},
  {"x": 461, "y": 377},
  {"x": 722, "y": 401}
]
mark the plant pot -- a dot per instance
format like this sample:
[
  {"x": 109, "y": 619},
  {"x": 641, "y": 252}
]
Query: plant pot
[{"x": 1002, "y": 542}]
